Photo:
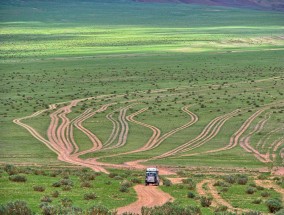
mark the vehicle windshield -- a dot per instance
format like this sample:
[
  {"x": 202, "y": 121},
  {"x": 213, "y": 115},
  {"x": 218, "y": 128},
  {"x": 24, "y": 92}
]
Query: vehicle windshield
[{"x": 151, "y": 173}]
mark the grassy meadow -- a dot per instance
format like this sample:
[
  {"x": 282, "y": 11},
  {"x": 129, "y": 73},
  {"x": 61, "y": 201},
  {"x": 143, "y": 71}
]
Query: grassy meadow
[{"x": 163, "y": 57}]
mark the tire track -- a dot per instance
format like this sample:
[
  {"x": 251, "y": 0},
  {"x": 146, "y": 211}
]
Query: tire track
[
  {"x": 210, "y": 131},
  {"x": 149, "y": 196},
  {"x": 245, "y": 141},
  {"x": 213, "y": 192}
]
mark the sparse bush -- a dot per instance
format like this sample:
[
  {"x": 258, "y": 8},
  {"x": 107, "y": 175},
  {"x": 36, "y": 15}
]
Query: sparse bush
[
  {"x": 257, "y": 201},
  {"x": 191, "y": 195},
  {"x": 46, "y": 199},
  {"x": 242, "y": 179},
  {"x": 10, "y": 169},
  {"x": 136, "y": 180},
  {"x": 66, "y": 187},
  {"x": 250, "y": 190},
  {"x": 86, "y": 184},
  {"x": 171, "y": 209},
  {"x": 230, "y": 179},
  {"x": 66, "y": 182},
  {"x": 39, "y": 188},
  {"x": 126, "y": 183},
  {"x": 118, "y": 177},
  {"x": 66, "y": 202},
  {"x": 98, "y": 209},
  {"x": 265, "y": 194},
  {"x": 190, "y": 183},
  {"x": 112, "y": 175},
  {"x": 252, "y": 213},
  {"x": 90, "y": 196},
  {"x": 18, "y": 178},
  {"x": 15, "y": 208},
  {"x": 56, "y": 184},
  {"x": 274, "y": 205},
  {"x": 205, "y": 201},
  {"x": 55, "y": 194},
  {"x": 123, "y": 189},
  {"x": 167, "y": 182}
]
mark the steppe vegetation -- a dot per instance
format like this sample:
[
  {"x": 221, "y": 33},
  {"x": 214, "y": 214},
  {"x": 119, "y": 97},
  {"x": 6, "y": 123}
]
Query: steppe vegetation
[{"x": 110, "y": 85}]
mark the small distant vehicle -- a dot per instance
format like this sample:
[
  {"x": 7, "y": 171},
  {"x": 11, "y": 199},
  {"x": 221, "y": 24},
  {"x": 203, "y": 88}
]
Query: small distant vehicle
[{"x": 152, "y": 177}]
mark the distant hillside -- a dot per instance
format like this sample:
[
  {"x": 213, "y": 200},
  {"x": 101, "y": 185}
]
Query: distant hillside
[{"x": 254, "y": 4}]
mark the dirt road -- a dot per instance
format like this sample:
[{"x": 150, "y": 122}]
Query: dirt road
[{"x": 148, "y": 196}]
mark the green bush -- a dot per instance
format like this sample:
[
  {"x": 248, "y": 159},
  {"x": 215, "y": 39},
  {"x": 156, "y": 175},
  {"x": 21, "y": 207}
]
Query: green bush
[
  {"x": 257, "y": 201},
  {"x": 167, "y": 182},
  {"x": 190, "y": 183},
  {"x": 274, "y": 205},
  {"x": 98, "y": 210},
  {"x": 242, "y": 179},
  {"x": 86, "y": 184},
  {"x": 15, "y": 208},
  {"x": 205, "y": 201},
  {"x": 231, "y": 179},
  {"x": 56, "y": 184},
  {"x": 126, "y": 183},
  {"x": 250, "y": 190},
  {"x": 221, "y": 209},
  {"x": 90, "y": 196},
  {"x": 10, "y": 169},
  {"x": 39, "y": 188},
  {"x": 112, "y": 175},
  {"x": 66, "y": 202},
  {"x": 191, "y": 195},
  {"x": 55, "y": 194},
  {"x": 136, "y": 180},
  {"x": 46, "y": 199},
  {"x": 123, "y": 189},
  {"x": 171, "y": 209},
  {"x": 18, "y": 178},
  {"x": 265, "y": 194}
]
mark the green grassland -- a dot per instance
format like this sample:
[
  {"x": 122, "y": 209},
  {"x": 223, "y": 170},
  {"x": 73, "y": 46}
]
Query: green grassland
[{"x": 163, "y": 57}]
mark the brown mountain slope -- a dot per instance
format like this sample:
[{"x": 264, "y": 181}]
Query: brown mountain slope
[{"x": 254, "y": 4}]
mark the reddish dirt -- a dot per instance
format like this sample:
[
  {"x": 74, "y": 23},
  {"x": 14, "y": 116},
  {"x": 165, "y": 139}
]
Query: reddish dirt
[{"x": 148, "y": 196}]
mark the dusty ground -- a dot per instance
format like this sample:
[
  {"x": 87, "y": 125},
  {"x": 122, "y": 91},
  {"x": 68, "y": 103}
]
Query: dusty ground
[{"x": 149, "y": 196}]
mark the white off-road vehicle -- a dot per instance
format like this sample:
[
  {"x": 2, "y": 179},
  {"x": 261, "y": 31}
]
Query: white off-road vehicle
[{"x": 152, "y": 176}]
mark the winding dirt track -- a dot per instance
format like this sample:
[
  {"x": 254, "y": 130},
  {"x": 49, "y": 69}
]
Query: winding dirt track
[
  {"x": 209, "y": 132},
  {"x": 149, "y": 196},
  {"x": 245, "y": 142},
  {"x": 270, "y": 184}
]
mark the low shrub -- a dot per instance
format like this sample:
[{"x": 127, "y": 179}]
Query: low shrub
[
  {"x": 66, "y": 187},
  {"x": 90, "y": 196},
  {"x": 230, "y": 179},
  {"x": 39, "y": 188},
  {"x": 67, "y": 182},
  {"x": 257, "y": 201},
  {"x": 15, "y": 208},
  {"x": 123, "y": 189},
  {"x": 242, "y": 179},
  {"x": 98, "y": 209},
  {"x": 171, "y": 209},
  {"x": 250, "y": 190},
  {"x": 167, "y": 182},
  {"x": 10, "y": 169},
  {"x": 136, "y": 180},
  {"x": 55, "y": 194},
  {"x": 86, "y": 184},
  {"x": 205, "y": 201},
  {"x": 274, "y": 205},
  {"x": 66, "y": 202},
  {"x": 112, "y": 175},
  {"x": 191, "y": 195},
  {"x": 265, "y": 194},
  {"x": 18, "y": 178},
  {"x": 46, "y": 199},
  {"x": 56, "y": 184},
  {"x": 126, "y": 183},
  {"x": 118, "y": 177}
]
